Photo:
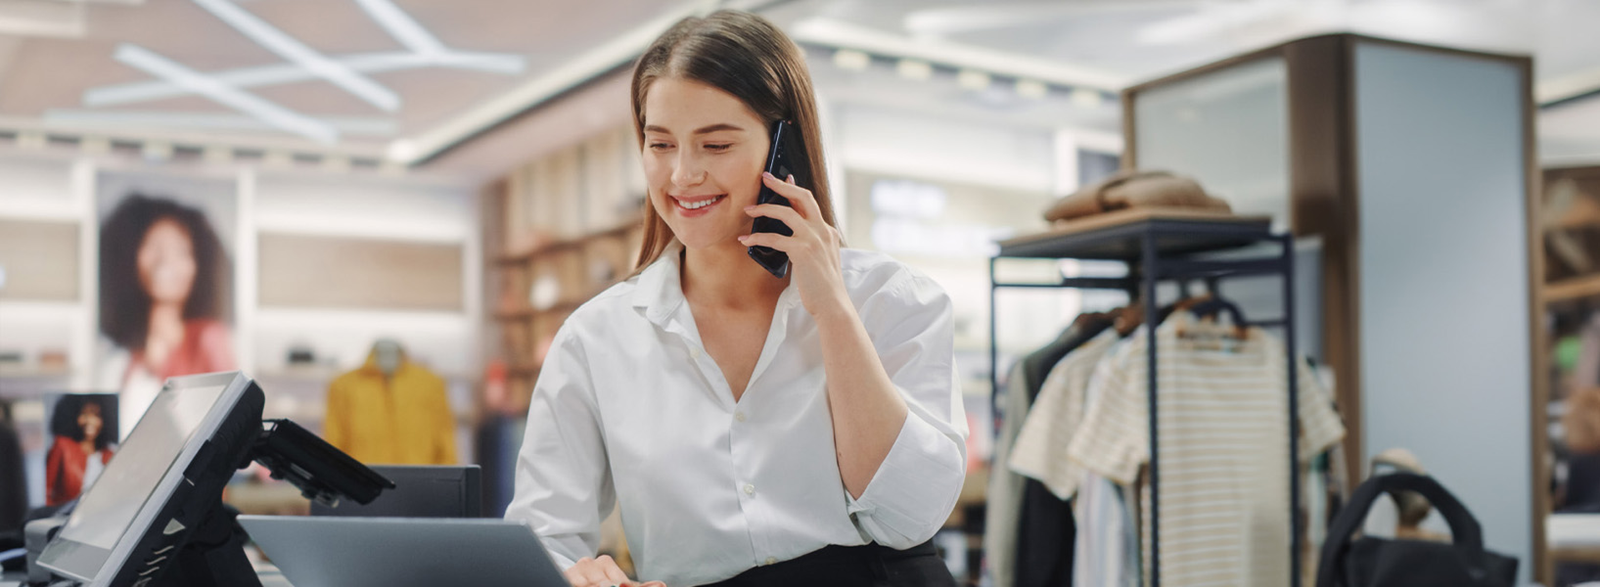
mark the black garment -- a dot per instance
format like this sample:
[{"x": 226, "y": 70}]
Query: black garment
[
  {"x": 1046, "y": 529},
  {"x": 13, "y": 488},
  {"x": 851, "y": 566},
  {"x": 1583, "y": 482}
]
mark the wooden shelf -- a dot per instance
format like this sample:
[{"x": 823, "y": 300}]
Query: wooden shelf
[
  {"x": 531, "y": 313},
  {"x": 1572, "y": 289},
  {"x": 568, "y": 244}
]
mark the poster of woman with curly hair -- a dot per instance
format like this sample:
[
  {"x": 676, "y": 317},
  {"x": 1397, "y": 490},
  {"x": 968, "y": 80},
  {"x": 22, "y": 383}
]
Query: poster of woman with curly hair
[
  {"x": 83, "y": 430},
  {"x": 166, "y": 282}
]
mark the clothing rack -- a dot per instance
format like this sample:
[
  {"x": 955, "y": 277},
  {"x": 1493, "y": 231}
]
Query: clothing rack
[{"x": 1160, "y": 249}]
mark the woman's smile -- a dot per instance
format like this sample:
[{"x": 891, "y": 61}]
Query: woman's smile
[{"x": 696, "y": 206}]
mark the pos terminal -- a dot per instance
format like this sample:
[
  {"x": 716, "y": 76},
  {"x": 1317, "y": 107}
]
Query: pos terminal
[{"x": 155, "y": 517}]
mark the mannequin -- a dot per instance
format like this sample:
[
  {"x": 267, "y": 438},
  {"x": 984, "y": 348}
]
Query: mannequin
[
  {"x": 391, "y": 411},
  {"x": 389, "y": 355}
]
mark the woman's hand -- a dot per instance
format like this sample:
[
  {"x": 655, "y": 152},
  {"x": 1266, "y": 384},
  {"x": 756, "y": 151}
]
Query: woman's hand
[
  {"x": 601, "y": 572},
  {"x": 813, "y": 250}
]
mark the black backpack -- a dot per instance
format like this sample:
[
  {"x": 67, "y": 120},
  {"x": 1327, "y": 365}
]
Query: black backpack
[{"x": 1378, "y": 562}]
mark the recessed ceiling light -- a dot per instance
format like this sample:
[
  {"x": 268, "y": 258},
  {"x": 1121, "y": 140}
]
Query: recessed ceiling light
[
  {"x": 278, "y": 158},
  {"x": 156, "y": 150},
  {"x": 31, "y": 141},
  {"x": 973, "y": 79},
  {"x": 1087, "y": 99},
  {"x": 336, "y": 163},
  {"x": 1031, "y": 89},
  {"x": 94, "y": 146},
  {"x": 915, "y": 69},
  {"x": 851, "y": 59},
  {"x": 217, "y": 155}
]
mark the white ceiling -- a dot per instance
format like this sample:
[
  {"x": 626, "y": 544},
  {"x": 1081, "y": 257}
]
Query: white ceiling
[{"x": 63, "y": 64}]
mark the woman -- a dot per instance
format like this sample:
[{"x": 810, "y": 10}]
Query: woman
[
  {"x": 84, "y": 439},
  {"x": 163, "y": 297},
  {"x": 804, "y": 430}
]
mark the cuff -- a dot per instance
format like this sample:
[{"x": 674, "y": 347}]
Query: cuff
[{"x": 914, "y": 490}]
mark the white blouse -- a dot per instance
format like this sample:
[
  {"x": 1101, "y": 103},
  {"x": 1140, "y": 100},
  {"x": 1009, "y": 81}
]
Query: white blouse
[{"x": 630, "y": 408}]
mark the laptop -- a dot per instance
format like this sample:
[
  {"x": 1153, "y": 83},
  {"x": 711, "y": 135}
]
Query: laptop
[{"x": 403, "y": 552}]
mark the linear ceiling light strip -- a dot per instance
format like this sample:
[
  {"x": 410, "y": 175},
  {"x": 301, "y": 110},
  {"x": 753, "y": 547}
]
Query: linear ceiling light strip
[
  {"x": 402, "y": 27},
  {"x": 296, "y": 52},
  {"x": 276, "y": 115},
  {"x": 272, "y": 75}
]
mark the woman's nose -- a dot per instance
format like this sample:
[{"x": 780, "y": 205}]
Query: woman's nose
[{"x": 686, "y": 171}]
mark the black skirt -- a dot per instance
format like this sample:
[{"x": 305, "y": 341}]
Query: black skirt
[{"x": 851, "y": 566}]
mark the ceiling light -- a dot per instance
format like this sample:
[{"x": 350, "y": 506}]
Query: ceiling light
[
  {"x": 1087, "y": 99},
  {"x": 235, "y": 98},
  {"x": 94, "y": 146},
  {"x": 288, "y": 73},
  {"x": 851, "y": 59},
  {"x": 1031, "y": 89},
  {"x": 402, "y": 27},
  {"x": 916, "y": 69},
  {"x": 156, "y": 150},
  {"x": 973, "y": 79},
  {"x": 293, "y": 50},
  {"x": 278, "y": 158},
  {"x": 217, "y": 154},
  {"x": 336, "y": 164},
  {"x": 32, "y": 141}
]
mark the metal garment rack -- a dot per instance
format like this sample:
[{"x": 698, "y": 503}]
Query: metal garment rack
[{"x": 1158, "y": 250}]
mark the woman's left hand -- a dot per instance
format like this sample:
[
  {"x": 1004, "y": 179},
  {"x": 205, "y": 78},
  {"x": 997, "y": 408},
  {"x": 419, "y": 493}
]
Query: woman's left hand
[{"x": 813, "y": 250}]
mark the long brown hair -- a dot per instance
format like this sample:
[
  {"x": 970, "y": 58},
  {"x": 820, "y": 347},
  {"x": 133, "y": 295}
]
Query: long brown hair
[{"x": 746, "y": 56}]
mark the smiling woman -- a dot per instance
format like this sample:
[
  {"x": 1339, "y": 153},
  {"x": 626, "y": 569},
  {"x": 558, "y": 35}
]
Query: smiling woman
[{"x": 756, "y": 430}]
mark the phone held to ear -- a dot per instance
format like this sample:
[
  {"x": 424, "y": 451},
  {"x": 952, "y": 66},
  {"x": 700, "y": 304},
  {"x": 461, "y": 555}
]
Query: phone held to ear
[{"x": 787, "y": 157}]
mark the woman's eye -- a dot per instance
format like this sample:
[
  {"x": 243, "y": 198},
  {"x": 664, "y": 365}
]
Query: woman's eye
[
  {"x": 721, "y": 147},
  {"x": 659, "y": 146}
]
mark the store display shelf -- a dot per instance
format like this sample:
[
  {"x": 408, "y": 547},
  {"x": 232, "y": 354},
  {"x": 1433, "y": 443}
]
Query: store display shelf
[
  {"x": 1572, "y": 289},
  {"x": 519, "y": 314},
  {"x": 1118, "y": 235},
  {"x": 558, "y": 246}
]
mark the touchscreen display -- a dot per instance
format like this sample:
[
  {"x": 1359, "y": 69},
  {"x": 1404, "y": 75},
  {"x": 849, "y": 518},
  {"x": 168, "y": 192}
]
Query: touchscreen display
[{"x": 109, "y": 506}]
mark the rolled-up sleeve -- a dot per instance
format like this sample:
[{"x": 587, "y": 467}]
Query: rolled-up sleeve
[
  {"x": 914, "y": 490},
  {"x": 563, "y": 481}
]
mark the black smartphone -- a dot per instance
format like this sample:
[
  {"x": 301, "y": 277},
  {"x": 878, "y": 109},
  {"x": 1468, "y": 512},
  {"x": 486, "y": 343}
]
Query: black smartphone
[{"x": 786, "y": 157}]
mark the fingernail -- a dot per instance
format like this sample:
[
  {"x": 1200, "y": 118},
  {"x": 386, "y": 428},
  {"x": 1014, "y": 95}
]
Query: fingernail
[
  {"x": 742, "y": 237},
  {"x": 768, "y": 174},
  {"x": 749, "y": 208}
]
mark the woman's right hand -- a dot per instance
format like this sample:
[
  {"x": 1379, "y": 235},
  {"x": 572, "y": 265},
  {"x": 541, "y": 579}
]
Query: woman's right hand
[{"x": 601, "y": 572}]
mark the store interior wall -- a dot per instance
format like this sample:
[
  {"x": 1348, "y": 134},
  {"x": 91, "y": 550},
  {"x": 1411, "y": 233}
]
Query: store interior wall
[
  {"x": 1444, "y": 276},
  {"x": 317, "y": 203}
]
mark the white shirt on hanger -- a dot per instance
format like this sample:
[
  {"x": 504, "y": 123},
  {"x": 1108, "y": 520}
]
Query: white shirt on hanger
[{"x": 630, "y": 409}]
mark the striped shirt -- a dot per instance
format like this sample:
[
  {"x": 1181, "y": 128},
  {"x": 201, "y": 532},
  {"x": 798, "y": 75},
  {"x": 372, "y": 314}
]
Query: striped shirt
[{"x": 1224, "y": 449}]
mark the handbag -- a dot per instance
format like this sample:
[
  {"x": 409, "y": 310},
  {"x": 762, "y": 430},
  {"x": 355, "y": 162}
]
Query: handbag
[{"x": 1379, "y": 562}]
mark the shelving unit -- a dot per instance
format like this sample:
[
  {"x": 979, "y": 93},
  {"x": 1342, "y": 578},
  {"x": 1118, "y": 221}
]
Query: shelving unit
[{"x": 1160, "y": 248}]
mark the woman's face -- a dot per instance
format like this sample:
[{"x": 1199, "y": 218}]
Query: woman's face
[
  {"x": 89, "y": 421},
  {"x": 704, "y": 152},
  {"x": 166, "y": 262}
]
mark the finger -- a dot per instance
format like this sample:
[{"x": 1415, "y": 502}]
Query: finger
[
  {"x": 595, "y": 575},
  {"x": 575, "y": 577},
  {"x": 613, "y": 573},
  {"x": 799, "y": 197},
  {"x": 576, "y": 574},
  {"x": 788, "y": 215},
  {"x": 767, "y": 239}
]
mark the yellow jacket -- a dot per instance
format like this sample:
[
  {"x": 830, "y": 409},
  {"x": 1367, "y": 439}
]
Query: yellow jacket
[{"x": 404, "y": 421}]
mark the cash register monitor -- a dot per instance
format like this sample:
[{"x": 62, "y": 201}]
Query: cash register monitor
[{"x": 145, "y": 484}]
